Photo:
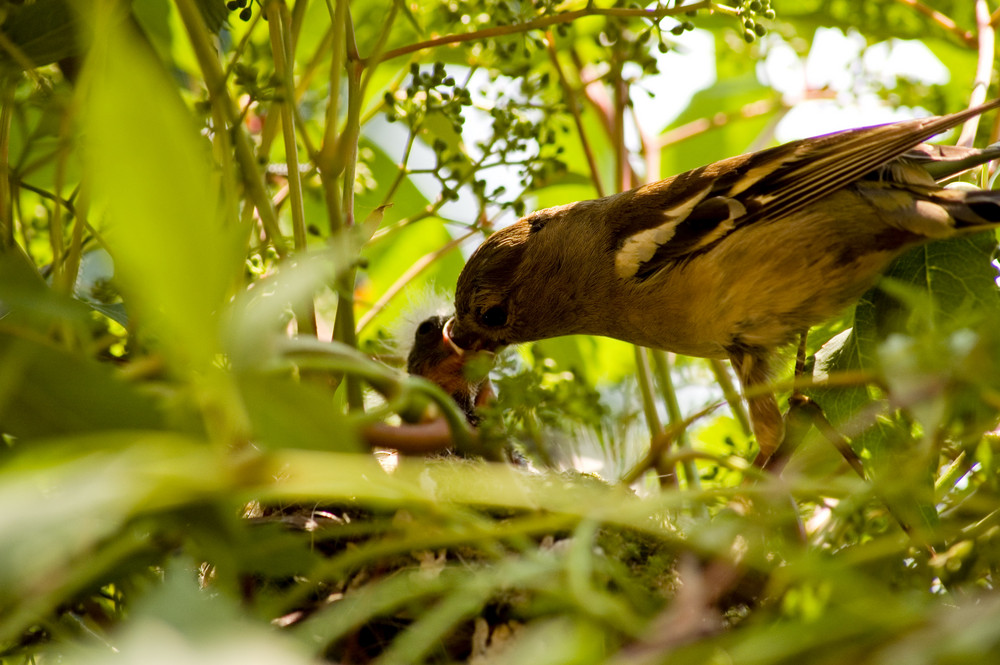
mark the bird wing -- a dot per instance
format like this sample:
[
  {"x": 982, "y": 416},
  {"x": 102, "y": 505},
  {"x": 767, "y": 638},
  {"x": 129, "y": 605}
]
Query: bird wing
[{"x": 682, "y": 216}]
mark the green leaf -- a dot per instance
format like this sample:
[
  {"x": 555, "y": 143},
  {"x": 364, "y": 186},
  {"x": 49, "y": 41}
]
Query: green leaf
[
  {"x": 26, "y": 300},
  {"x": 389, "y": 259},
  {"x": 44, "y": 31},
  {"x": 46, "y": 391},
  {"x": 928, "y": 292},
  {"x": 958, "y": 278},
  {"x": 63, "y": 499},
  {"x": 176, "y": 255},
  {"x": 732, "y": 137},
  {"x": 289, "y": 414}
]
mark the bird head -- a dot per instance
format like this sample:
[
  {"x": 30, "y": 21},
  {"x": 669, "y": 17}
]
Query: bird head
[{"x": 524, "y": 283}]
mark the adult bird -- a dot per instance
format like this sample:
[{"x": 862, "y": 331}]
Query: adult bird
[{"x": 731, "y": 260}]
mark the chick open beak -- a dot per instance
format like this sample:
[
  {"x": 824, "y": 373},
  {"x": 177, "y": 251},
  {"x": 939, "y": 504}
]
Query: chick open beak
[
  {"x": 463, "y": 345},
  {"x": 446, "y": 333}
]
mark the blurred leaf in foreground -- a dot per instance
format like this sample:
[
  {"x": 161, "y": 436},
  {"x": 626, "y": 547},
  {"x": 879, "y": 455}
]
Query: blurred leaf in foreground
[{"x": 176, "y": 254}]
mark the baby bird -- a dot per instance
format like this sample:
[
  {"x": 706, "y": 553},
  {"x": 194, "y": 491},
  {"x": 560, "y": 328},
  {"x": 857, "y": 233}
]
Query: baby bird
[
  {"x": 731, "y": 260},
  {"x": 432, "y": 358}
]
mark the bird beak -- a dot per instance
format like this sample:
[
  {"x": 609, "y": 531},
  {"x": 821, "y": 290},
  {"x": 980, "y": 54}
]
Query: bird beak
[
  {"x": 463, "y": 344},
  {"x": 446, "y": 333}
]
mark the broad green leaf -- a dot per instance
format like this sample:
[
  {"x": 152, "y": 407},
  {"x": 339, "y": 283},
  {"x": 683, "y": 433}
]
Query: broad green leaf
[
  {"x": 63, "y": 499},
  {"x": 388, "y": 260},
  {"x": 958, "y": 278},
  {"x": 46, "y": 391},
  {"x": 176, "y": 255},
  {"x": 733, "y": 137},
  {"x": 407, "y": 200},
  {"x": 956, "y": 274},
  {"x": 44, "y": 31},
  {"x": 289, "y": 414},
  {"x": 26, "y": 300},
  {"x": 600, "y": 360}
]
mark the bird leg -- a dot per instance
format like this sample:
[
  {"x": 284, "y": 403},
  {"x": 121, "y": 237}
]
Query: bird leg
[
  {"x": 800, "y": 417},
  {"x": 752, "y": 368}
]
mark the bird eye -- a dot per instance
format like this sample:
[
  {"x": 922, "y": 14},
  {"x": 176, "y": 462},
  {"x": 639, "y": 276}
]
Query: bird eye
[
  {"x": 494, "y": 317},
  {"x": 425, "y": 328}
]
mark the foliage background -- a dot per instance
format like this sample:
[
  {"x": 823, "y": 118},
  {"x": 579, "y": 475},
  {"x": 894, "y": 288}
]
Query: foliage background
[{"x": 199, "y": 282}]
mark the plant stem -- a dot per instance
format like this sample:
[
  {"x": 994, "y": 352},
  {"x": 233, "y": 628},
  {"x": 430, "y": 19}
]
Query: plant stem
[
  {"x": 344, "y": 329},
  {"x": 986, "y": 37},
  {"x": 6, "y": 201},
  {"x": 338, "y": 15},
  {"x": 194, "y": 24},
  {"x": 278, "y": 25},
  {"x": 729, "y": 392}
]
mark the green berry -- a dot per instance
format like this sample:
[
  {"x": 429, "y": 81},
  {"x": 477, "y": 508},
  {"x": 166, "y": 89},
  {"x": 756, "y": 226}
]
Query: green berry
[
  {"x": 749, "y": 36},
  {"x": 246, "y": 14},
  {"x": 760, "y": 30},
  {"x": 232, "y": 5}
]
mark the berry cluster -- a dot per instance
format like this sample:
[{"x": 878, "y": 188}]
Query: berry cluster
[
  {"x": 244, "y": 7},
  {"x": 751, "y": 11},
  {"x": 428, "y": 92}
]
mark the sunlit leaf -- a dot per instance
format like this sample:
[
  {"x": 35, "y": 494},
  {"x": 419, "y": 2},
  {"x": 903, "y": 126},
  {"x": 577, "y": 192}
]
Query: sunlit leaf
[
  {"x": 47, "y": 391},
  {"x": 175, "y": 253}
]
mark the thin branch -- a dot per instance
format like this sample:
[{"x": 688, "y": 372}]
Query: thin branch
[
  {"x": 18, "y": 56},
  {"x": 418, "y": 267},
  {"x": 574, "y": 109},
  {"x": 545, "y": 22},
  {"x": 346, "y": 161},
  {"x": 411, "y": 439},
  {"x": 646, "y": 389},
  {"x": 67, "y": 267},
  {"x": 296, "y": 19},
  {"x": 943, "y": 20},
  {"x": 330, "y": 138},
  {"x": 279, "y": 27},
  {"x": 624, "y": 176},
  {"x": 702, "y": 125},
  {"x": 662, "y": 442},
  {"x": 596, "y": 96},
  {"x": 403, "y": 172},
  {"x": 379, "y": 48}
]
